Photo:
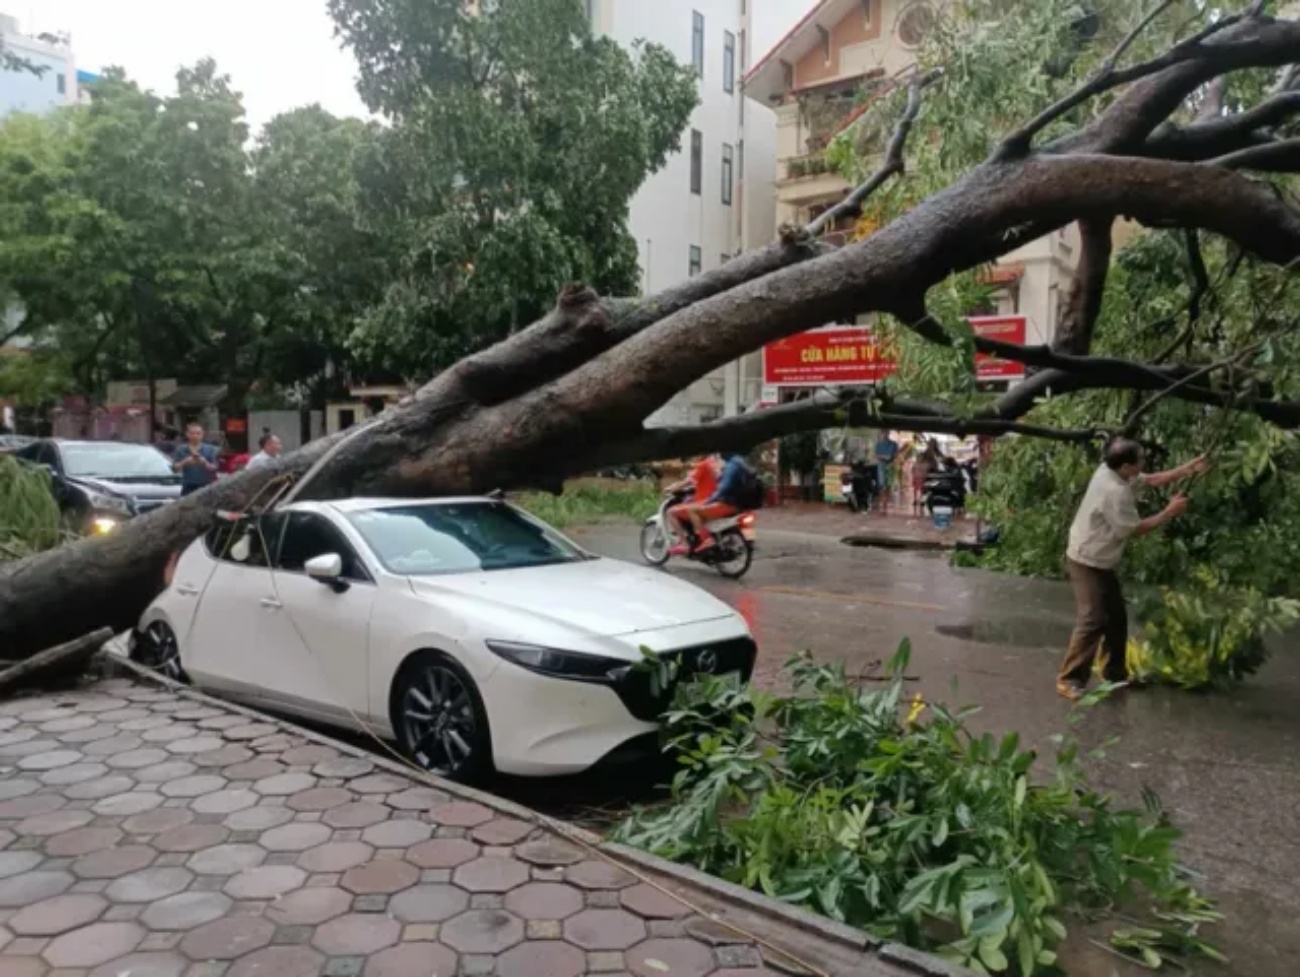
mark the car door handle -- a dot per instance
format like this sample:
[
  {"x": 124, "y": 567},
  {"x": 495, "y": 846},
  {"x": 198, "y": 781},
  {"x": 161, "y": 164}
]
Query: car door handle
[
  {"x": 187, "y": 590},
  {"x": 270, "y": 603}
]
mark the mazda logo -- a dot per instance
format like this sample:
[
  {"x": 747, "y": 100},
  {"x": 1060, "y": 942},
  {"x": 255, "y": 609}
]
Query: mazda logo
[{"x": 707, "y": 661}]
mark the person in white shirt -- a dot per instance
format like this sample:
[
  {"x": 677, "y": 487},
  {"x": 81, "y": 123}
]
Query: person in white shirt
[
  {"x": 1107, "y": 518},
  {"x": 271, "y": 448}
]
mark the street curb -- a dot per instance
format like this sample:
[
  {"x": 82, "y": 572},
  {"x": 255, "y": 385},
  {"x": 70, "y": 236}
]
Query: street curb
[{"x": 840, "y": 934}]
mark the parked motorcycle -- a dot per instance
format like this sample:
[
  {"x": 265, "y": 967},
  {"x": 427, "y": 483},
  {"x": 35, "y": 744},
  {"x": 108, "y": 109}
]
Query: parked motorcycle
[
  {"x": 946, "y": 489},
  {"x": 859, "y": 486},
  {"x": 732, "y": 555}
]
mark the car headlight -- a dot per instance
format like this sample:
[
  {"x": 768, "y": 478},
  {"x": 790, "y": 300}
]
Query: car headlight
[
  {"x": 560, "y": 664},
  {"x": 105, "y": 524},
  {"x": 109, "y": 503}
]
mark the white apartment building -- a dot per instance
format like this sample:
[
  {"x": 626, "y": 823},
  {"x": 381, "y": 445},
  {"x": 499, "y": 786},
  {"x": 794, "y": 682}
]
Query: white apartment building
[
  {"x": 716, "y": 195},
  {"x": 27, "y": 91}
]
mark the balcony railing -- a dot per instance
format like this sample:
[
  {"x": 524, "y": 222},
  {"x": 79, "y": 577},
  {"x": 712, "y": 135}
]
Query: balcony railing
[{"x": 814, "y": 164}]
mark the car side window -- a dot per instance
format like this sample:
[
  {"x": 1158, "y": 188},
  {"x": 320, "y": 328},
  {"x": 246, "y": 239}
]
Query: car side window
[
  {"x": 309, "y": 535},
  {"x": 248, "y": 543}
]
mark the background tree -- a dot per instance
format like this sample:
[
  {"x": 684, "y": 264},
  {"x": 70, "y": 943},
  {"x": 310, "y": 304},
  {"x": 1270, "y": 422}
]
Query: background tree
[{"x": 517, "y": 142}]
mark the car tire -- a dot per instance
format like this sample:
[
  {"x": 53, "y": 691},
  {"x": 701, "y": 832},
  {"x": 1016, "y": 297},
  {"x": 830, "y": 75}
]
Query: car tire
[
  {"x": 436, "y": 710},
  {"x": 156, "y": 648}
]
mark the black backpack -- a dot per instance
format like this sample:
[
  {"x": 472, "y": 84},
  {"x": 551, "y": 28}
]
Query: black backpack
[{"x": 749, "y": 491}]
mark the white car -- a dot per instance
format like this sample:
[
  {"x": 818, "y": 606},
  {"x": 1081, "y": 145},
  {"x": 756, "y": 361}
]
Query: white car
[{"x": 476, "y": 636}]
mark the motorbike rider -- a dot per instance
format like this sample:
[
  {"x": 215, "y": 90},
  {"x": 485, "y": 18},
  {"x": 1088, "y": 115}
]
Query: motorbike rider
[
  {"x": 701, "y": 483},
  {"x": 721, "y": 504}
]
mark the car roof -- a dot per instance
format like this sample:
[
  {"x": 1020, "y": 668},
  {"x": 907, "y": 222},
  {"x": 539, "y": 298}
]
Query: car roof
[{"x": 368, "y": 503}]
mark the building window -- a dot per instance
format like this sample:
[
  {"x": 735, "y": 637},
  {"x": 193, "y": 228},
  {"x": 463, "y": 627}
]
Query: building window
[
  {"x": 61, "y": 84},
  {"x": 697, "y": 161},
  {"x": 697, "y": 259},
  {"x": 727, "y": 175},
  {"x": 697, "y": 42},
  {"x": 728, "y": 62}
]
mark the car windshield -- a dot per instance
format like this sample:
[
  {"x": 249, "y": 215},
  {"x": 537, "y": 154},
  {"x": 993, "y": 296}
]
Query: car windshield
[
  {"x": 460, "y": 537},
  {"x": 114, "y": 460}
]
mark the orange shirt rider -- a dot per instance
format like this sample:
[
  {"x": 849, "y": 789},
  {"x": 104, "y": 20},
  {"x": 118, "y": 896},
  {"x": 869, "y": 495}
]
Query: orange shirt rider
[{"x": 703, "y": 482}]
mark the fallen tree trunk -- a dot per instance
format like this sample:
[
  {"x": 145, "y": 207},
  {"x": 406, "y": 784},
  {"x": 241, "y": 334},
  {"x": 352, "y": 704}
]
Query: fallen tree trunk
[
  {"x": 62, "y": 661},
  {"x": 572, "y": 392}
]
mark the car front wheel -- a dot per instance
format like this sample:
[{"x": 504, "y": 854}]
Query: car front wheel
[
  {"x": 439, "y": 718},
  {"x": 156, "y": 648}
]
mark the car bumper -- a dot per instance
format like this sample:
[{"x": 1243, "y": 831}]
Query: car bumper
[{"x": 544, "y": 725}]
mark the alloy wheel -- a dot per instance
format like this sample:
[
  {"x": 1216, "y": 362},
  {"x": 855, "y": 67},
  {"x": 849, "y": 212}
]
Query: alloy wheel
[
  {"x": 437, "y": 713},
  {"x": 159, "y": 650}
]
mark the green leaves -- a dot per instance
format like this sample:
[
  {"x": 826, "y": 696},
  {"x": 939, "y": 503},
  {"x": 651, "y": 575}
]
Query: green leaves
[{"x": 918, "y": 831}]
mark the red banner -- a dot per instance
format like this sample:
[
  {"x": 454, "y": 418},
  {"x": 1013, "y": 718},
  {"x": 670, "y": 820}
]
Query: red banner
[
  {"x": 842, "y": 356},
  {"x": 850, "y": 356},
  {"x": 1005, "y": 329}
]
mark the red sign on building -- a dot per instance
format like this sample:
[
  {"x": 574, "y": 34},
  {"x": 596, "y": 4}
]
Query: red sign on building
[
  {"x": 839, "y": 356},
  {"x": 848, "y": 356}
]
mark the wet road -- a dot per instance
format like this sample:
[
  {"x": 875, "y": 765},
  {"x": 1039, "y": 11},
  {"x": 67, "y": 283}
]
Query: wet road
[{"x": 1227, "y": 765}]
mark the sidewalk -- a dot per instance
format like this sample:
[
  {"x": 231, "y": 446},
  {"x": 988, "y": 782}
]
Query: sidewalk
[{"x": 154, "y": 833}]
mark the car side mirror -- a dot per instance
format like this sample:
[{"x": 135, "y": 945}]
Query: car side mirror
[{"x": 328, "y": 569}]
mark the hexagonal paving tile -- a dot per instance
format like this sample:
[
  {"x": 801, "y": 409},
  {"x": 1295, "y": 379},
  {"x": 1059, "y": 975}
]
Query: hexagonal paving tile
[
  {"x": 49, "y": 761},
  {"x": 279, "y": 961},
  {"x": 191, "y": 838},
  {"x": 417, "y": 799},
  {"x": 604, "y": 929},
  {"x": 358, "y": 814},
  {"x": 549, "y": 852},
  {"x": 442, "y": 853},
  {"x": 226, "y": 801},
  {"x": 647, "y": 901},
  {"x": 53, "y": 822},
  {"x": 502, "y": 831},
  {"x": 597, "y": 874},
  {"x": 295, "y": 836},
  {"x": 411, "y": 960},
  {"x": 397, "y": 834},
  {"x": 186, "y": 910},
  {"x": 544, "y": 900},
  {"x": 482, "y": 931},
  {"x": 265, "y": 882},
  {"x": 251, "y": 731},
  {"x": 114, "y": 862},
  {"x": 203, "y": 783},
  {"x": 309, "y": 907},
  {"x": 542, "y": 959},
  {"x": 303, "y": 756},
  {"x": 259, "y": 769},
  {"x": 124, "y": 805},
  {"x": 491, "y": 874},
  {"x": 228, "y": 938},
  {"x": 379, "y": 783},
  {"x": 150, "y": 884},
  {"x": 157, "y": 773},
  {"x": 143, "y": 965},
  {"x": 356, "y": 935},
  {"x": 225, "y": 756},
  {"x": 681, "y": 958},
  {"x": 194, "y": 744},
  {"x": 153, "y": 822},
  {"x": 16, "y": 787},
  {"x": 380, "y": 878},
  {"x": 319, "y": 799},
  {"x": 16, "y": 862},
  {"x": 57, "y": 915},
  {"x": 343, "y": 767},
  {"x": 283, "y": 784},
  {"x": 82, "y": 841},
  {"x": 258, "y": 818},
  {"x": 92, "y": 945},
  {"x": 430, "y": 903},
  {"x": 77, "y": 773},
  {"x": 137, "y": 759},
  {"x": 336, "y": 856},
  {"x": 461, "y": 814}
]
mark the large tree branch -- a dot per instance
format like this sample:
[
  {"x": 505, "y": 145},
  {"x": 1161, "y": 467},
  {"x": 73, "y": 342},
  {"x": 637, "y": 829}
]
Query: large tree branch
[
  {"x": 1280, "y": 156},
  {"x": 1222, "y": 135},
  {"x": 1088, "y": 288}
]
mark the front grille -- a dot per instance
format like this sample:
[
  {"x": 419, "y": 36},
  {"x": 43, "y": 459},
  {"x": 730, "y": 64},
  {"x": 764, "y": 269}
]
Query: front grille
[{"x": 714, "y": 658}]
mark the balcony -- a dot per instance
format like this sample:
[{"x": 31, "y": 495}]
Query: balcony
[{"x": 804, "y": 180}]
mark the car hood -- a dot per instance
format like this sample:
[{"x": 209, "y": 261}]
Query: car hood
[
  {"x": 601, "y": 597},
  {"x": 130, "y": 490}
]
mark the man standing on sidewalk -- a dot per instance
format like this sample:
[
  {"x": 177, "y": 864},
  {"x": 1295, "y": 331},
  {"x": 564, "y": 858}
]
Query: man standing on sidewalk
[{"x": 1107, "y": 518}]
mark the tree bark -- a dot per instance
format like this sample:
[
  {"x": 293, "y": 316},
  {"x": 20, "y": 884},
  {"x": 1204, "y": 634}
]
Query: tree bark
[{"x": 571, "y": 392}]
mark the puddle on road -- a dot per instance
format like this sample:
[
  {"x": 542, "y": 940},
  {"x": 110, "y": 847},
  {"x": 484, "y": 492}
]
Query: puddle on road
[{"x": 1018, "y": 632}]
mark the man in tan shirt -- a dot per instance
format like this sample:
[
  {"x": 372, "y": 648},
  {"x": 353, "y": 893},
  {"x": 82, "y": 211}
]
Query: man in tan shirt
[{"x": 1107, "y": 518}]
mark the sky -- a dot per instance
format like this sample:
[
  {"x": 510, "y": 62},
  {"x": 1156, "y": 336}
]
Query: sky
[{"x": 280, "y": 53}]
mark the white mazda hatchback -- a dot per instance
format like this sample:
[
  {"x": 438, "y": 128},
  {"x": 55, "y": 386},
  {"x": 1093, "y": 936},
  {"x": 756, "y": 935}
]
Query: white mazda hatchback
[{"x": 475, "y": 635}]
